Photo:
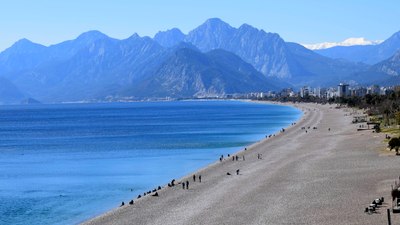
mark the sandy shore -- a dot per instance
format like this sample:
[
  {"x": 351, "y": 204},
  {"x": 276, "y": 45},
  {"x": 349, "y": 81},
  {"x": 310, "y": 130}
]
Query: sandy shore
[{"x": 313, "y": 177}]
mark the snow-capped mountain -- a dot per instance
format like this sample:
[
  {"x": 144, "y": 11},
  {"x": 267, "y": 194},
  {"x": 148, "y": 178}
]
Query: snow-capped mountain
[{"x": 347, "y": 42}]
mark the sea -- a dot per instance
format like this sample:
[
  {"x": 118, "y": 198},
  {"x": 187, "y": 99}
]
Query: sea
[{"x": 66, "y": 163}]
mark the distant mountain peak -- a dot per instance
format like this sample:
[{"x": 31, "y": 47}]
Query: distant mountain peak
[
  {"x": 347, "y": 42},
  {"x": 171, "y": 31},
  {"x": 25, "y": 43},
  {"x": 247, "y": 26},
  {"x": 214, "y": 23},
  {"x": 24, "y": 46},
  {"x": 92, "y": 35},
  {"x": 134, "y": 36},
  {"x": 170, "y": 37}
]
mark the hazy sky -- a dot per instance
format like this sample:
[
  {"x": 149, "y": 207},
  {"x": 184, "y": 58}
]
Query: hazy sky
[{"x": 303, "y": 21}]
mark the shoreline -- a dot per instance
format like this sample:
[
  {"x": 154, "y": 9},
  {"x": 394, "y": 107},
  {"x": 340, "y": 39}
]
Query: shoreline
[
  {"x": 215, "y": 163},
  {"x": 304, "y": 172}
]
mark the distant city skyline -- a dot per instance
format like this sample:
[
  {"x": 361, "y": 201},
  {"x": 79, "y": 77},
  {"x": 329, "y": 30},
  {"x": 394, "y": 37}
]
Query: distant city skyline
[{"x": 308, "y": 21}]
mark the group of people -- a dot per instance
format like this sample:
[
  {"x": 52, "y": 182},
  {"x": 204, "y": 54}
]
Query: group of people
[{"x": 186, "y": 184}]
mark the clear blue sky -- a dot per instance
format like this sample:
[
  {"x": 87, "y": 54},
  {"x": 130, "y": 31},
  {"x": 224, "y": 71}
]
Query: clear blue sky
[{"x": 304, "y": 21}]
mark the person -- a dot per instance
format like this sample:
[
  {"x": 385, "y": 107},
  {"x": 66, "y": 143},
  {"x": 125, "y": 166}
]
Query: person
[
  {"x": 173, "y": 182},
  {"x": 183, "y": 185},
  {"x": 131, "y": 202},
  {"x": 200, "y": 178},
  {"x": 155, "y": 194},
  {"x": 237, "y": 158},
  {"x": 187, "y": 184},
  {"x": 237, "y": 172},
  {"x": 228, "y": 173},
  {"x": 194, "y": 178},
  {"x": 122, "y": 204},
  {"x": 220, "y": 159},
  {"x": 244, "y": 158}
]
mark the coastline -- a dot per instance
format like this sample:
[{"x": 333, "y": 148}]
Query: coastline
[{"x": 237, "y": 199}]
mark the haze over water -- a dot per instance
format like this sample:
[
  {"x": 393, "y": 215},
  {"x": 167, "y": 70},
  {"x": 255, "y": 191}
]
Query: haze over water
[{"x": 61, "y": 164}]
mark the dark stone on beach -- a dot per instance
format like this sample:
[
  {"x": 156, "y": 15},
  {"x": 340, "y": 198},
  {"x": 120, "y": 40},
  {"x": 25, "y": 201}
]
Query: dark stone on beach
[{"x": 228, "y": 173}]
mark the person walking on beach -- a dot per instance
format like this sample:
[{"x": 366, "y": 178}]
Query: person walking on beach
[
  {"x": 200, "y": 178},
  {"x": 194, "y": 178},
  {"x": 244, "y": 158},
  {"x": 187, "y": 184},
  {"x": 237, "y": 172},
  {"x": 183, "y": 185}
]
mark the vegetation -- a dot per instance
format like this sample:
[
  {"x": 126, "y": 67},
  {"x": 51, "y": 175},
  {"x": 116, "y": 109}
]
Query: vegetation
[{"x": 382, "y": 109}]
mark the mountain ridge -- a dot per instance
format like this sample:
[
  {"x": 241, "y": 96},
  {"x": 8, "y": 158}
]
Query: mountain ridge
[
  {"x": 209, "y": 61},
  {"x": 369, "y": 54}
]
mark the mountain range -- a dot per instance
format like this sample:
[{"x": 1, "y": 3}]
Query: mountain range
[
  {"x": 369, "y": 54},
  {"x": 347, "y": 42},
  {"x": 212, "y": 60}
]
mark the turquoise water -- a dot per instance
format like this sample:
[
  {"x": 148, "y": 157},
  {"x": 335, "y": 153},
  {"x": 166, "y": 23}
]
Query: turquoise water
[{"x": 62, "y": 164}]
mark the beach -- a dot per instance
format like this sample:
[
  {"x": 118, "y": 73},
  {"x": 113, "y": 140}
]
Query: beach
[{"x": 319, "y": 171}]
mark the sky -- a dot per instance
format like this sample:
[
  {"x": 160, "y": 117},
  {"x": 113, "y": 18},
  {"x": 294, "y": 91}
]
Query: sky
[{"x": 303, "y": 21}]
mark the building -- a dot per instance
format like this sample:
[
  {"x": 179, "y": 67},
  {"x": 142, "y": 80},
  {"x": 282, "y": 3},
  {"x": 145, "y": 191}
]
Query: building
[
  {"x": 343, "y": 90},
  {"x": 374, "y": 89},
  {"x": 304, "y": 91}
]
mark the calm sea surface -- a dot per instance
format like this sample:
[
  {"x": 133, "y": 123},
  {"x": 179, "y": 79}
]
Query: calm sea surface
[{"x": 62, "y": 164}]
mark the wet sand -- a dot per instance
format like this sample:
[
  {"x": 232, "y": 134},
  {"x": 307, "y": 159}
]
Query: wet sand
[{"x": 313, "y": 177}]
